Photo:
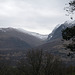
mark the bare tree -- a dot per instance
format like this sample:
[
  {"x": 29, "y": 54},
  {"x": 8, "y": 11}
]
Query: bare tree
[
  {"x": 31, "y": 65},
  {"x": 38, "y": 62}
]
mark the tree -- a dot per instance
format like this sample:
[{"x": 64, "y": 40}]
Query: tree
[
  {"x": 31, "y": 65},
  {"x": 69, "y": 36},
  {"x": 71, "y": 8},
  {"x": 39, "y": 62},
  {"x": 53, "y": 66}
]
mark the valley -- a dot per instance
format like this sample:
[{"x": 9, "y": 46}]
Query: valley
[{"x": 14, "y": 43}]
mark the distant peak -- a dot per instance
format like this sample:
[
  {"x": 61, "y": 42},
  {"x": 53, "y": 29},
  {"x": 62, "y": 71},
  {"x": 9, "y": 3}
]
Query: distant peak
[{"x": 6, "y": 29}]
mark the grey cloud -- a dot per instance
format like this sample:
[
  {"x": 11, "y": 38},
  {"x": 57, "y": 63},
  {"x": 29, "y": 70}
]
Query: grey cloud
[{"x": 32, "y": 14}]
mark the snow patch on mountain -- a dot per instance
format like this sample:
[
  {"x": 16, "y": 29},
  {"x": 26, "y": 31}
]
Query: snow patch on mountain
[
  {"x": 40, "y": 36},
  {"x": 37, "y": 35},
  {"x": 6, "y": 29},
  {"x": 2, "y": 30},
  {"x": 43, "y": 37},
  {"x": 57, "y": 30}
]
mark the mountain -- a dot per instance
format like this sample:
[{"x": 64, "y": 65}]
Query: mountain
[
  {"x": 11, "y": 38},
  {"x": 14, "y": 43},
  {"x": 54, "y": 44},
  {"x": 57, "y": 32},
  {"x": 40, "y": 36}
]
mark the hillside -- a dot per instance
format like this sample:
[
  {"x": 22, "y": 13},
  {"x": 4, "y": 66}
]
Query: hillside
[
  {"x": 54, "y": 44},
  {"x": 11, "y": 38},
  {"x": 57, "y": 32}
]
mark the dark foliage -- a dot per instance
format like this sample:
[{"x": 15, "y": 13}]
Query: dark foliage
[
  {"x": 37, "y": 62},
  {"x": 71, "y": 8},
  {"x": 69, "y": 35},
  {"x": 72, "y": 5}
]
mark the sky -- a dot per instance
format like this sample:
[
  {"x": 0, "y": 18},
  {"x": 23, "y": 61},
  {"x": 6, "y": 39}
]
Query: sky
[{"x": 39, "y": 16}]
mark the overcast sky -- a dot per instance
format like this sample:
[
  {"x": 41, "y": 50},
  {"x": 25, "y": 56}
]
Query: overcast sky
[{"x": 33, "y": 15}]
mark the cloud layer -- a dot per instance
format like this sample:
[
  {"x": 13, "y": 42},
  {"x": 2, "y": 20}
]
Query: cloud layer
[{"x": 34, "y": 15}]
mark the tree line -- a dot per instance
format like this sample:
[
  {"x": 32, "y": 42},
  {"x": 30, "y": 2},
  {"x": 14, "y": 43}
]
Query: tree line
[{"x": 37, "y": 62}]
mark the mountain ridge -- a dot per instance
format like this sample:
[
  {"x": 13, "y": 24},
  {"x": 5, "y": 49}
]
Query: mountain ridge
[
  {"x": 9, "y": 34},
  {"x": 57, "y": 31},
  {"x": 54, "y": 44}
]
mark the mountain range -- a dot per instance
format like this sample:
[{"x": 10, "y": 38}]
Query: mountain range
[
  {"x": 54, "y": 43},
  {"x": 14, "y": 42},
  {"x": 11, "y": 38},
  {"x": 57, "y": 32}
]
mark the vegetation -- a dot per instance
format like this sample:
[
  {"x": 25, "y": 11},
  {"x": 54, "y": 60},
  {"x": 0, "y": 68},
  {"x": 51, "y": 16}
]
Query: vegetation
[
  {"x": 69, "y": 36},
  {"x": 37, "y": 62},
  {"x": 71, "y": 8}
]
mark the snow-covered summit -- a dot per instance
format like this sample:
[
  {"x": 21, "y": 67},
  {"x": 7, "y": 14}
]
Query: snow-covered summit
[{"x": 57, "y": 32}]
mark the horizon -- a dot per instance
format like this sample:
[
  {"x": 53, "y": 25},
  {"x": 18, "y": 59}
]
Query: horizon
[
  {"x": 41, "y": 33},
  {"x": 40, "y": 16}
]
